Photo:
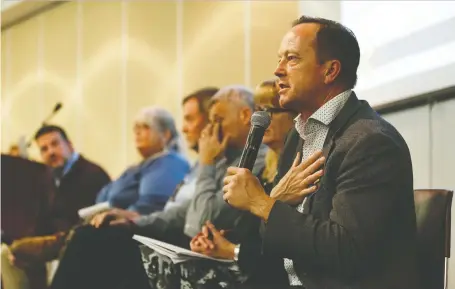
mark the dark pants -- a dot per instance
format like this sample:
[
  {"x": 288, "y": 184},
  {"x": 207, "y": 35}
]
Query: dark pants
[{"x": 105, "y": 258}]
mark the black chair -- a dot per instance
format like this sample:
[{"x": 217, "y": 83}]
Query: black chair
[{"x": 433, "y": 236}]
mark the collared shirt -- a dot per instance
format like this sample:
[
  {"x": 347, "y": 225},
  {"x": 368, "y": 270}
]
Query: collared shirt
[
  {"x": 314, "y": 132},
  {"x": 61, "y": 172}
]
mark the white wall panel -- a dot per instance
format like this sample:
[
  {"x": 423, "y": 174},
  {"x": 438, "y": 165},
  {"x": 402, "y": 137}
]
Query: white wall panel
[
  {"x": 443, "y": 144},
  {"x": 413, "y": 124}
]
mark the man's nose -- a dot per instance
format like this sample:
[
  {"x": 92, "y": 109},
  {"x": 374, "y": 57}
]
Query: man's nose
[
  {"x": 50, "y": 152},
  {"x": 280, "y": 71}
]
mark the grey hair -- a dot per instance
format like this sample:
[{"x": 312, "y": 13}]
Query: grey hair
[
  {"x": 239, "y": 93},
  {"x": 162, "y": 120}
]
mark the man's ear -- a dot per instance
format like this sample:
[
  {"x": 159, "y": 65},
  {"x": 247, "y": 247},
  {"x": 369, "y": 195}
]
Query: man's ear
[
  {"x": 245, "y": 115},
  {"x": 332, "y": 71}
]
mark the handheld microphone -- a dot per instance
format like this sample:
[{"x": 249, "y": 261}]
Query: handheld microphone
[{"x": 260, "y": 121}]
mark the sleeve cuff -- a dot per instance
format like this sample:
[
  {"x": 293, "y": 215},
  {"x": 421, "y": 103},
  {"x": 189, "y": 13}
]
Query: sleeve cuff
[{"x": 143, "y": 221}]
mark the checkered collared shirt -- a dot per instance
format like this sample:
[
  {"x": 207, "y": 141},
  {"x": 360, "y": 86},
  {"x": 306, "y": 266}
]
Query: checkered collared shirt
[{"x": 314, "y": 132}]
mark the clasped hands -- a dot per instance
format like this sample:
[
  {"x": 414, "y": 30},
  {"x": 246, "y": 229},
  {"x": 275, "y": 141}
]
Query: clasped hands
[{"x": 216, "y": 246}]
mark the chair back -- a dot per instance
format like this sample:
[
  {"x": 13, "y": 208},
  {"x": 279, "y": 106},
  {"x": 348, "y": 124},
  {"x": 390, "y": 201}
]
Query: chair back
[{"x": 433, "y": 235}]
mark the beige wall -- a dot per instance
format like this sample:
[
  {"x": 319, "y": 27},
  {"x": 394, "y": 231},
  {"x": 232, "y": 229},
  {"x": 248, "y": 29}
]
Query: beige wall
[{"x": 105, "y": 60}]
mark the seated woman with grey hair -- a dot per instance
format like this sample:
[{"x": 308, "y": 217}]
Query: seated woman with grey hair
[{"x": 146, "y": 187}]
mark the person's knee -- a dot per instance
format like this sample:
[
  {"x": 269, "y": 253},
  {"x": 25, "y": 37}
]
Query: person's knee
[
  {"x": 5, "y": 253},
  {"x": 9, "y": 270}
]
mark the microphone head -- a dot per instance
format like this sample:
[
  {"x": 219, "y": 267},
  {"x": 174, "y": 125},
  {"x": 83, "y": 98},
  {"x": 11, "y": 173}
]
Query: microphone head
[
  {"x": 261, "y": 119},
  {"x": 57, "y": 107}
]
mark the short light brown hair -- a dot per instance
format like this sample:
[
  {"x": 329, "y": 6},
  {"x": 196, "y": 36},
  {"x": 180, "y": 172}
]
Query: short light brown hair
[{"x": 203, "y": 97}]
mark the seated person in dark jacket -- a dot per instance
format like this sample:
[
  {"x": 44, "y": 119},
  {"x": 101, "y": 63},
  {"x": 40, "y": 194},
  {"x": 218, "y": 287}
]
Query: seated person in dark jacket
[
  {"x": 358, "y": 229},
  {"x": 75, "y": 181}
]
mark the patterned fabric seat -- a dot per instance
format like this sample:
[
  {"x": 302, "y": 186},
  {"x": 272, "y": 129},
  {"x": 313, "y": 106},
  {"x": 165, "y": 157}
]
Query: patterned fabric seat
[{"x": 163, "y": 274}]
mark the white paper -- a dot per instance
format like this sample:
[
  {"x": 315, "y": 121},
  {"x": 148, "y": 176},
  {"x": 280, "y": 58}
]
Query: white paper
[
  {"x": 92, "y": 210},
  {"x": 175, "y": 253}
]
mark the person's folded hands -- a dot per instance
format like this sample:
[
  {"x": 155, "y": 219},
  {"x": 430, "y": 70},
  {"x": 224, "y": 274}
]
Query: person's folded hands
[{"x": 212, "y": 242}]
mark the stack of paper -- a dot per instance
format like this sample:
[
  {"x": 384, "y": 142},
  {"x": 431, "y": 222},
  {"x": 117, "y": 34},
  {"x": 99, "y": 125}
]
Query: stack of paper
[{"x": 176, "y": 254}]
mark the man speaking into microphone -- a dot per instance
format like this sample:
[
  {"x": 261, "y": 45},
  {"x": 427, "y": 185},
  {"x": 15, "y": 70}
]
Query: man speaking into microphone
[{"x": 358, "y": 229}]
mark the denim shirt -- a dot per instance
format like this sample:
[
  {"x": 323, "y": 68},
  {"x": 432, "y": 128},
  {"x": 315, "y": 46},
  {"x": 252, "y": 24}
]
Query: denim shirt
[{"x": 145, "y": 188}]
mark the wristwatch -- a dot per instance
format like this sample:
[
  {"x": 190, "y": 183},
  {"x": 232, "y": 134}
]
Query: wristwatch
[{"x": 236, "y": 252}]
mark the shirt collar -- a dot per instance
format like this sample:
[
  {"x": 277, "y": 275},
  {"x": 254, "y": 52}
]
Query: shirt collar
[
  {"x": 60, "y": 172},
  {"x": 70, "y": 162},
  {"x": 326, "y": 113}
]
